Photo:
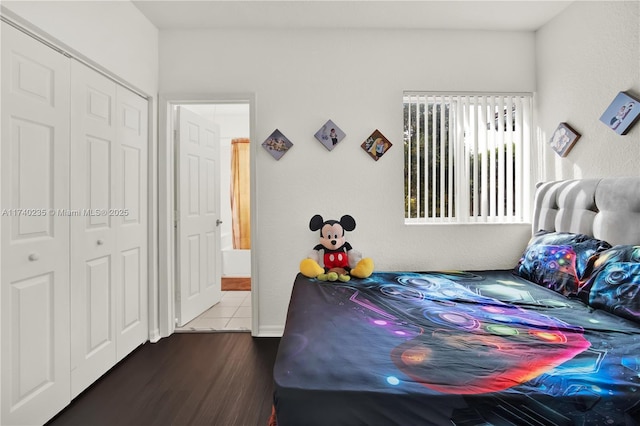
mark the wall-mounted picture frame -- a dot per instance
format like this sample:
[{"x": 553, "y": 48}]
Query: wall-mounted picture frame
[
  {"x": 277, "y": 144},
  {"x": 376, "y": 145},
  {"x": 563, "y": 139},
  {"x": 622, "y": 113},
  {"x": 330, "y": 135}
]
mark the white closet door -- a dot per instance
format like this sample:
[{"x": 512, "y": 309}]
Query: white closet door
[
  {"x": 130, "y": 217},
  {"x": 34, "y": 295},
  {"x": 93, "y": 232},
  {"x": 109, "y": 237},
  {"x": 198, "y": 237}
]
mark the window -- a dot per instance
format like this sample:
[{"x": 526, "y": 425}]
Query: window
[{"x": 466, "y": 157}]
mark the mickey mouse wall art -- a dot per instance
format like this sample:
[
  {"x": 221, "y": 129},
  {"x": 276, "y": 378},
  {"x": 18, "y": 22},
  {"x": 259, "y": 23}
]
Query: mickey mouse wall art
[{"x": 340, "y": 261}]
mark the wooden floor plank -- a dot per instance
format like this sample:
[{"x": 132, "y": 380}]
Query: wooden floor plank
[{"x": 186, "y": 379}]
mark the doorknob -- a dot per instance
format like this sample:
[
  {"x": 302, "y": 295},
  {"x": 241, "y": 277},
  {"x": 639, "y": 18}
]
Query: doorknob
[
  {"x": 100, "y": 242},
  {"x": 218, "y": 222},
  {"x": 34, "y": 256}
]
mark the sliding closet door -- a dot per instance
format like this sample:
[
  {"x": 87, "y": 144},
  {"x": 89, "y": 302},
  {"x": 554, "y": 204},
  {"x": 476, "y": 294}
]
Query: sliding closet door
[
  {"x": 93, "y": 231},
  {"x": 130, "y": 217},
  {"x": 34, "y": 293}
]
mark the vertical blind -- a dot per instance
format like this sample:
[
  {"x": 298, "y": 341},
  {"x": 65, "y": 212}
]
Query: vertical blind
[{"x": 467, "y": 157}]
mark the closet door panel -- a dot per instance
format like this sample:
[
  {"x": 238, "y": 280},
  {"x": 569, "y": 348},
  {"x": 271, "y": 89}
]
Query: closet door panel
[
  {"x": 130, "y": 218},
  {"x": 93, "y": 233},
  {"x": 34, "y": 263}
]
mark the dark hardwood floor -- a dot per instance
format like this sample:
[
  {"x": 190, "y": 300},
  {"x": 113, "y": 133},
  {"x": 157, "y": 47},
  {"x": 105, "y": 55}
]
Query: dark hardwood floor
[{"x": 221, "y": 379}]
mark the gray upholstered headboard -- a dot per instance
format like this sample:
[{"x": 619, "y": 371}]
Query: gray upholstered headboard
[{"x": 607, "y": 208}]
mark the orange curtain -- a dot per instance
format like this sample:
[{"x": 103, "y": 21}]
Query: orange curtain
[{"x": 240, "y": 200}]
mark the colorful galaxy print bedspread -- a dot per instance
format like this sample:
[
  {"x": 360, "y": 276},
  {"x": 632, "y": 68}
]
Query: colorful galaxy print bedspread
[{"x": 442, "y": 348}]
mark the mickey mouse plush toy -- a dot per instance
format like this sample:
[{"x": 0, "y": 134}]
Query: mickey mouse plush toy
[{"x": 340, "y": 261}]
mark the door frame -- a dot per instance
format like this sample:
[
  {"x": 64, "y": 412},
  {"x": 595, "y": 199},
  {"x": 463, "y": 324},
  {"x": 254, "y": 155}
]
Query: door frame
[{"x": 166, "y": 201}]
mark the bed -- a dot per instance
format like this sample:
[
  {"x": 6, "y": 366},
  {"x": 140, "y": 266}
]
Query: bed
[{"x": 553, "y": 341}]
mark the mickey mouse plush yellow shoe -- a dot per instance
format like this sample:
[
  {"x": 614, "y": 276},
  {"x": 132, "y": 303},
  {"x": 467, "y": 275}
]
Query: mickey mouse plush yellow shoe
[
  {"x": 310, "y": 268},
  {"x": 363, "y": 269}
]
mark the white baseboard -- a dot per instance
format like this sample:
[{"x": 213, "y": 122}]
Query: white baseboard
[
  {"x": 270, "y": 331},
  {"x": 154, "y": 336}
]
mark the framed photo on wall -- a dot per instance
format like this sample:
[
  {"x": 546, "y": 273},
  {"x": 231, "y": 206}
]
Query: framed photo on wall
[
  {"x": 376, "y": 145},
  {"x": 622, "y": 113},
  {"x": 277, "y": 144},
  {"x": 330, "y": 135},
  {"x": 563, "y": 139}
]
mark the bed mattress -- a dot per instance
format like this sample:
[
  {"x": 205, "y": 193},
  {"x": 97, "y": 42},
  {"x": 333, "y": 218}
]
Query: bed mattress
[{"x": 462, "y": 348}]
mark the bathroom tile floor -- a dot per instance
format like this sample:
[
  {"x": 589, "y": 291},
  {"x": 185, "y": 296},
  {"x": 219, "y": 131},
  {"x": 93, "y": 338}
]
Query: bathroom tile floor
[{"x": 233, "y": 313}]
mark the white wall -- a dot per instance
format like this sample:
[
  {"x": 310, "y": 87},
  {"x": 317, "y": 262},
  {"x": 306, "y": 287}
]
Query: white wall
[
  {"x": 113, "y": 34},
  {"x": 585, "y": 56},
  {"x": 301, "y": 79}
]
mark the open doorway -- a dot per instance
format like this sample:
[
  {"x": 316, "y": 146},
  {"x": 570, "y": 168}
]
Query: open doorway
[{"x": 233, "y": 311}]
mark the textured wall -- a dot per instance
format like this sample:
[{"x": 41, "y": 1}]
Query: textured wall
[
  {"x": 584, "y": 57},
  {"x": 356, "y": 78}
]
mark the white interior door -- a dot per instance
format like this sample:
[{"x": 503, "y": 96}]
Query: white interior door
[
  {"x": 93, "y": 230},
  {"x": 109, "y": 235},
  {"x": 130, "y": 217},
  {"x": 34, "y": 273},
  {"x": 198, "y": 237}
]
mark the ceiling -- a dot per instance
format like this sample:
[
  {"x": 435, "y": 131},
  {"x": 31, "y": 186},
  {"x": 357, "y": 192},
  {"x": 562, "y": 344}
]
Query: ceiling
[{"x": 509, "y": 15}]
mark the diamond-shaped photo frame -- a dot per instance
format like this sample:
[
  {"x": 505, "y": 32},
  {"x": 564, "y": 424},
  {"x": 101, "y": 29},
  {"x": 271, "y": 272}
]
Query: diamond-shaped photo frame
[
  {"x": 330, "y": 135},
  {"x": 622, "y": 113},
  {"x": 563, "y": 139},
  {"x": 277, "y": 144},
  {"x": 376, "y": 145}
]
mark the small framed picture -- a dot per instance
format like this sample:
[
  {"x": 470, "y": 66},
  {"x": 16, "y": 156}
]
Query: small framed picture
[
  {"x": 329, "y": 135},
  {"x": 376, "y": 145},
  {"x": 563, "y": 139},
  {"x": 277, "y": 144},
  {"x": 622, "y": 113}
]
